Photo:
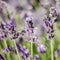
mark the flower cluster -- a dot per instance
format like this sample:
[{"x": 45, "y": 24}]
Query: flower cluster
[
  {"x": 41, "y": 48},
  {"x": 24, "y": 52},
  {"x": 2, "y": 56},
  {"x": 9, "y": 49},
  {"x": 27, "y": 34},
  {"x": 49, "y": 22},
  {"x": 3, "y": 33},
  {"x": 36, "y": 57}
]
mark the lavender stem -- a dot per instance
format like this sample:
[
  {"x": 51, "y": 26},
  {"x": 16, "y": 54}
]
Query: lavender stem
[
  {"x": 17, "y": 51},
  {"x": 52, "y": 55},
  {"x": 32, "y": 49},
  {"x": 8, "y": 57}
]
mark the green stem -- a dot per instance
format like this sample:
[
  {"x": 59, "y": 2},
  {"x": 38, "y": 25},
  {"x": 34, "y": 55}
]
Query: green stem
[
  {"x": 8, "y": 55},
  {"x": 17, "y": 51},
  {"x": 32, "y": 49},
  {"x": 52, "y": 55}
]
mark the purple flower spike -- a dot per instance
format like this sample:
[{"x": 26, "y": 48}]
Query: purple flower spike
[
  {"x": 12, "y": 48},
  {"x": 41, "y": 48},
  {"x": 11, "y": 23},
  {"x": 23, "y": 51},
  {"x": 1, "y": 37},
  {"x": 15, "y": 35},
  {"x": 36, "y": 57},
  {"x": 27, "y": 53},
  {"x": 20, "y": 40},
  {"x": 2, "y": 26},
  {"x": 2, "y": 56},
  {"x": 5, "y": 50}
]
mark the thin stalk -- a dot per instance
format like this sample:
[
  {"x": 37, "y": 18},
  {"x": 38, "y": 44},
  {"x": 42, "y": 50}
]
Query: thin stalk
[
  {"x": 52, "y": 55},
  {"x": 17, "y": 51},
  {"x": 32, "y": 49},
  {"x": 8, "y": 55}
]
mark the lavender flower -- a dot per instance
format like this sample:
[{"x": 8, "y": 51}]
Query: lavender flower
[
  {"x": 15, "y": 35},
  {"x": 27, "y": 53},
  {"x": 12, "y": 48},
  {"x": 33, "y": 39},
  {"x": 5, "y": 50},
  {"x": 20, "y": 40},
  {"x": 23, "y": 58},
  {"x": 30, "y": 30},
  {"x": 49, "y": 23},
  {"x": 53, "y": 14},
  {"x": 18, "y": 8},
  {"x": 41, "y": 48},
  {"x": 36, "y": 57},
  {"x": 23, "y": 51},
  {"x": 53, "y": 11},
  {"x": 25, "y": 14},
  {"x": 22, "y": 32},
  {"x": 3, "y": 34},
  {"x": 10, "y": 27},
  {"x": 10, "y": 24},
  {"x": 1, "y": 37},
  {"x": 2, "y": 56},
  {"x": 9, "y": 49},
  {"x": 2, "y": 26}
]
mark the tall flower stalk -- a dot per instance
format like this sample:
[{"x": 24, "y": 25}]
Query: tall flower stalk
[
  {"x": 17, "y": 51},
  {"x": 8, "y": 55},
  {"x": 32, "y": 49},
  {"x": 52, "y": 49},
  {"x": 49, "y": 27}
]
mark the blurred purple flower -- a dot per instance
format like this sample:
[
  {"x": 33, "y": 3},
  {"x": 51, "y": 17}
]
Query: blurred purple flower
[
  {"x": 11, "y": 23},
  {"x": 5, "y": 50},
  {"x": 15, "y": 35},
  {"x": 23, "y": 51},
  {"x": 2, "y": 56},
  {"x": 20, "y": 40},
  {"x": 36, "y": 57},
  {"x": 41, "y": 48},
  {"x": 12, "y": 49}
]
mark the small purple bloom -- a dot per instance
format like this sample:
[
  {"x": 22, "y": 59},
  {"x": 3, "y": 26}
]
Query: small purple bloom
[
  {"x": 41, "y": 48},
  {"x": 20, "y": 40},
  {"x": 5, "y": 50},
  {"x": 2, "y": 56},
  {"x": 36, "y": 57},
  {"x": 12, "y": 48},
  {"x": 23, "y": 51},
  {"x": 15, "y": 35},
  {"x": 11, "y": 23}
]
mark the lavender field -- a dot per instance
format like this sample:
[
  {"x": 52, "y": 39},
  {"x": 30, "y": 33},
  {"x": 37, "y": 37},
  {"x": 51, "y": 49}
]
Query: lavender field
[{"x": 29, "y": 29}]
